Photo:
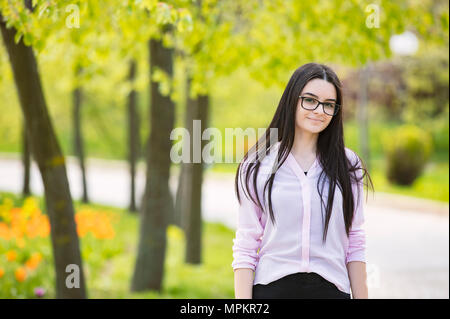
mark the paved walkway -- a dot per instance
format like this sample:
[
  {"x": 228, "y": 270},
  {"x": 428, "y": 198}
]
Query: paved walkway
[{"x": 407, "y": 238}]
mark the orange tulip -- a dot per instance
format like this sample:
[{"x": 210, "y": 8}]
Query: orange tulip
[
  {"x": 20, "y": 242},
  {"x": 33, "y": 261},
  {"x": 5, "y": 232},
  {"x": 11, "y": 255},
  {"x": 20, "y": 274},
  {"x": 2, "y": 272},
  {"x": 98, "y": 223}
]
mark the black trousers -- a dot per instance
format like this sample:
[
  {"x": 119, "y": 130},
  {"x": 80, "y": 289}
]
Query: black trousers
[{"x": 299, "y": 286}]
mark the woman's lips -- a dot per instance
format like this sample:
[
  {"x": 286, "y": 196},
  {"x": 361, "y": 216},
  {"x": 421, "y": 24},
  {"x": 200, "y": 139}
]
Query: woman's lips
[{"x": 314, "y": 119}]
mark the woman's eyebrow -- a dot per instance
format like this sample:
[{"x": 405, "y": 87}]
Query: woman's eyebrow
[{"x": 318, "y": 97}]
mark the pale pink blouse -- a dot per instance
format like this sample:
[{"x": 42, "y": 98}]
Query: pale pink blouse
[{"x": 295, "y": 243}]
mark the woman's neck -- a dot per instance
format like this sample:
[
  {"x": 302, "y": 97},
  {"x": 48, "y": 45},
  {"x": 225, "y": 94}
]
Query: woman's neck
[{"x": 305, "y": 144}]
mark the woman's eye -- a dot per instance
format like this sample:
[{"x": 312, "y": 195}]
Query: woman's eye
[{"x": 309, "y": 100}]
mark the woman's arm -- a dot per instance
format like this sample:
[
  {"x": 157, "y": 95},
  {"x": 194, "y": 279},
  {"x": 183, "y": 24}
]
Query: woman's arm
[
  {"x": 243, "y": 283},
  {"x": 356, "y": 254},
  {"x": 250, "y": 228},
  {"x": 358, "y": 279}
]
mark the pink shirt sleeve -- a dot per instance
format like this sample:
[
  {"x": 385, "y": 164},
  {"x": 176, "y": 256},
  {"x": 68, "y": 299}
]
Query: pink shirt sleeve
[
  {"x": 250, "y": 227},
  {"x": 357, "y": 236}
]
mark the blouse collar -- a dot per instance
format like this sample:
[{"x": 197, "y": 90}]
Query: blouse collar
[{"x": 299, "y": 171}]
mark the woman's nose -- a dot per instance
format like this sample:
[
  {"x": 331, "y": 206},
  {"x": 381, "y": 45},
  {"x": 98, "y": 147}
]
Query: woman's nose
[{"x": 318, "y": 110}]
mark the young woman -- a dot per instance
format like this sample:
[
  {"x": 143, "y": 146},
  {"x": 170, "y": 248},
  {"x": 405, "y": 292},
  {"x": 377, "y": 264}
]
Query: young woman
[{"x": 310, "y": 185}]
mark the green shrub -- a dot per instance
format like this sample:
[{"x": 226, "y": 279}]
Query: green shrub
[
  {"x": 407, "y": 149},
  {"x": 440, "y": 132}
]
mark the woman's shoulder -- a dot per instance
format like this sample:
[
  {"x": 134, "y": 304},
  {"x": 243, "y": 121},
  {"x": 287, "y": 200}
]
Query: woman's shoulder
[
  {"x": 266, "y": 160},
  {"x": 352, "y": 156}
]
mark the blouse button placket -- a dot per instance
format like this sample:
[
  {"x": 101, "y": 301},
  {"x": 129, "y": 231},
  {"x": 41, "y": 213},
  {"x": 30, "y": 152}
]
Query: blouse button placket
[{"x": 306, "y": 197}]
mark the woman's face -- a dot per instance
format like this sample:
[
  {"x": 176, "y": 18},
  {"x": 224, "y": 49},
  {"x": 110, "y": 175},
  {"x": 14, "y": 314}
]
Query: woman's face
[{"x": 315, "y": 121}]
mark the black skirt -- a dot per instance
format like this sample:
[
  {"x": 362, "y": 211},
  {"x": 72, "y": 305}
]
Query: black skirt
[{"x": 299, "y": 286}]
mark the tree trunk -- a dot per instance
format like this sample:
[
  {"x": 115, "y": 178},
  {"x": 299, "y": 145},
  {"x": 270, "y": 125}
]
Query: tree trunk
[
  {"x": 133, "y": 136},
  {"x": 47, "y": 153},
  {"x": 193, "y": 184},
  {"x": 157, "y": 203},
  {"x": 183, "y": 197},
  {"x": 188, "y": 213},
  {"x": 363, "y": 115},
  {"x": 192, "y": 216},
  {"x": 179, "y": 198},
  {"x": 26, "y": 160},
  {"x": 77, "y": 96}
]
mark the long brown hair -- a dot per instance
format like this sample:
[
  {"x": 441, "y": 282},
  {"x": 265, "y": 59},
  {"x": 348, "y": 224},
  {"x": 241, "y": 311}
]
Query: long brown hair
[{"x": 330, "y": 148}]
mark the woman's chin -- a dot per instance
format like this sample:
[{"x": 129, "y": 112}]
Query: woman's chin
[{"x": 314, "y": 129}]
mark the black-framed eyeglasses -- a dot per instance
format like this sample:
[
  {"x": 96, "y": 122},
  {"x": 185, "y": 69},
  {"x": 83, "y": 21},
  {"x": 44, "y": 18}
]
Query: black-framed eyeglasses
[{"x": 310, "y": 104}]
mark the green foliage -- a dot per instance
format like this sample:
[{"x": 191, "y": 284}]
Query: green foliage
[
  {"x": 99, "y": 38},
  {"x": 283, "y": 35},
  {"x": 427, "y": 80},
  {"x": 407, "y": 149},
  {"x": 438, "y": 127},
  {"x": 432, "y": 184}
]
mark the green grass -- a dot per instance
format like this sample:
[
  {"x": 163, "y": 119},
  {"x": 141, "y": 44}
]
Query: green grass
[
  {"x": 432, "y": 184},
  {"x": 109, "y": 264}
]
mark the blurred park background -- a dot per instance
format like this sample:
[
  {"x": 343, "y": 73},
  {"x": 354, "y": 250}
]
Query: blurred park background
[{"x": 90, "y": 92}]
